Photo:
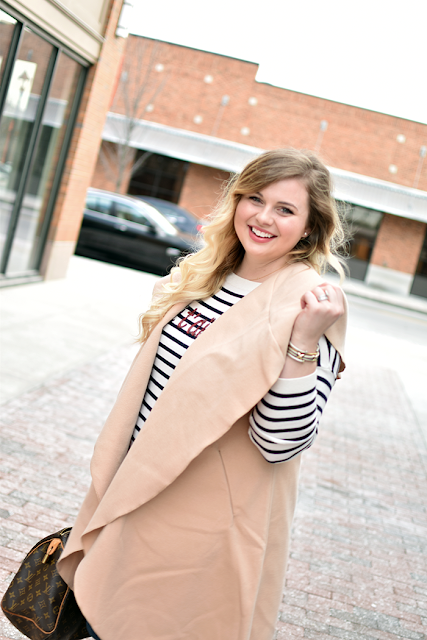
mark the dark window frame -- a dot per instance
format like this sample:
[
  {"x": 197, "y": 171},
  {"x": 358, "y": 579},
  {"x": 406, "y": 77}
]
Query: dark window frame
[
  {"x": 159, "y": 174},
  {"x": 357, "y": 265},
  {"x": 419, "y": 283},
  {"x": 58, "y": 49}
]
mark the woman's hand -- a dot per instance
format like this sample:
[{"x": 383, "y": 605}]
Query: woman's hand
[{"x": 315, "y": 317}]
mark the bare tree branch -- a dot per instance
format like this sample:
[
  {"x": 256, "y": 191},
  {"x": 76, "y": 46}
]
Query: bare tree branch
[
  {"x": 135, "y": 92},
  {"x": 141, "y": 161}
]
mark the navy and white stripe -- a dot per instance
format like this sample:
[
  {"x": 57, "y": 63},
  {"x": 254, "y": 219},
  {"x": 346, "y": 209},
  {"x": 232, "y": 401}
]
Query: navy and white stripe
[
  {"x": 285, "y": 421},
  {"x": 175, "y": 339}
]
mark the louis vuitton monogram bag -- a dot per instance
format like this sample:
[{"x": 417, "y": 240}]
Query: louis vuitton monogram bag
[{"x": 38, "y": 602}]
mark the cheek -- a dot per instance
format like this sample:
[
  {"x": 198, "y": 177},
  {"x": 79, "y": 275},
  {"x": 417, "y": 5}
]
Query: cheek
[
  {"x": 236, "y": 221},
  {"x": 240, "y": 217},
  {"x": 237, "y": 225}
]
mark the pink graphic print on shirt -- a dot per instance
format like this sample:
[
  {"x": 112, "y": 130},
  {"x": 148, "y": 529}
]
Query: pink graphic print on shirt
[{"x": 192, "y": 325}]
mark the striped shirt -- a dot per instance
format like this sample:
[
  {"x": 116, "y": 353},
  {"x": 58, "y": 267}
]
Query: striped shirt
[{"x": 285, "y": 421}]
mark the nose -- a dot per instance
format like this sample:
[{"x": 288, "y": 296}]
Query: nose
[{"x": 265, "y": 216}]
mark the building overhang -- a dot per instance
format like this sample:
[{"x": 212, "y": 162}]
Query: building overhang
[
  {"x": 380, "y": 195},
  {"x": 232, "y": 156},
  {"x": 179, "y": 143},
  {"x": 78, "y": 25}
]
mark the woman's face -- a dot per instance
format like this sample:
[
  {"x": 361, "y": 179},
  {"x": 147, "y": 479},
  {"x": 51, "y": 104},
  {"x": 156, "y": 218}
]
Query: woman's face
[{"x": 270, "y": 223}]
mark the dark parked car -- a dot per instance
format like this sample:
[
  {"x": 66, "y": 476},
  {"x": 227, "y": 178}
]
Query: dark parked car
[
  {"x": 131, "y": 233},
  {"x": 180, "y": 217}
]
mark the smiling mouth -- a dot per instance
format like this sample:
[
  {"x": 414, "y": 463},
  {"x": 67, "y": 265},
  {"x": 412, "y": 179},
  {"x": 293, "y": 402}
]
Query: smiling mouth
[{"x": 261, "y": 234}]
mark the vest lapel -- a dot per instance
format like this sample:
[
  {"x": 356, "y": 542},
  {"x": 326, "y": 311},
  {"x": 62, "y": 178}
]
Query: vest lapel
[
  {"x": 113, "y": 442},
  {"x": 227, "y": 370}
]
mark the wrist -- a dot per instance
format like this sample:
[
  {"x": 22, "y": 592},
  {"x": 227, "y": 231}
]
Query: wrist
[
  {"x": 302, "y": 355},
  {"x": 304, "y": 343}
]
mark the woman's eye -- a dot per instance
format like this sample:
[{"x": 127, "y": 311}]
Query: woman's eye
[
  {"x": 255, "y": 198},
  {"x": 285, "y": 210}
]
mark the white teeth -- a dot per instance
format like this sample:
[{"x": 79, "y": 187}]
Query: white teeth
[{"x": 261, "y": 234}]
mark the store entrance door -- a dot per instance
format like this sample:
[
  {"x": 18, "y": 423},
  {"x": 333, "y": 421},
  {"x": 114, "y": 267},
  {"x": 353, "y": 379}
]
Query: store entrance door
[{"x": 41, "y": 86}]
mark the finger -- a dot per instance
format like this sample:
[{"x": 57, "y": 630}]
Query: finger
[
  {"x": 321, "y": 294},
  {"x": 335, "y": 298},
  {"x": 334, "y": 293},
  {"x": 310, "y": 299}
]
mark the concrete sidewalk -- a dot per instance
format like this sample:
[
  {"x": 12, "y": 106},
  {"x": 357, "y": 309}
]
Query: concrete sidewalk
[
  {"x": 358, "y": 564},
  {"x": 51, "y": 327}
]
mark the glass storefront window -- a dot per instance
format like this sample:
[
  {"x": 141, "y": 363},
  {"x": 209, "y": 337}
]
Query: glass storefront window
[
  {"x": 43, "y": 84},
  {"x": 419, "y": 285},
  {"x": 363, "y": 225},
  {"x": 158, "y": 176},
  {"x": 18, "y": 118},
  {"x": 25, "y": 248},
  {"x": 7, "y": 27}
]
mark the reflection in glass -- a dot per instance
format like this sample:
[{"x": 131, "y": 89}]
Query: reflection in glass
[
  {"x": 363, "y": 224},
  {"x": 7, "y": 26},
  {"x": 25, "y": 246},
  {"x": 159, "y": 176},
  {"x": 17, "y": 120},
  {"x": 419, "y": 284}
]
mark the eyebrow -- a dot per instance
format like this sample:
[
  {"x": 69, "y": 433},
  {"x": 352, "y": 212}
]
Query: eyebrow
[{"x": 287, "y": 204}]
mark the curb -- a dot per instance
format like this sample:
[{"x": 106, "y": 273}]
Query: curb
[{"x": 360, "y": 290}]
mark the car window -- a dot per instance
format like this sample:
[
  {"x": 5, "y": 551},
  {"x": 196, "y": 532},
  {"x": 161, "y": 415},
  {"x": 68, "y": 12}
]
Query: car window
[
  {"x": 185, "y": 223},
  {"x": 126, "y": 212},
  {"x": 98, "y": 203}
]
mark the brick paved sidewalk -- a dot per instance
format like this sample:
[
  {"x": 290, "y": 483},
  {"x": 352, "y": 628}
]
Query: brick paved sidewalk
[{"x": 358, "y": 565}]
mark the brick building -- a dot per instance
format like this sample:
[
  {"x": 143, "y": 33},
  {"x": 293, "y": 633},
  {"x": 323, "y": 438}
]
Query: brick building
[
  {"x": 193, "y": 117},
  {"x": 58, "y": 66}
]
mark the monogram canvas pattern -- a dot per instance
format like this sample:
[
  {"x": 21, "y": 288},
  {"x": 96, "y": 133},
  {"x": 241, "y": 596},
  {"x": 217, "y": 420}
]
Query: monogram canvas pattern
[{"x": 38, "y": 602}]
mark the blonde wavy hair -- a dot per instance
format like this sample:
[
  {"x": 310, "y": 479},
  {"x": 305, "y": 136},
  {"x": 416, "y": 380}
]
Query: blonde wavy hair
[{"x": 200, "y": 275}]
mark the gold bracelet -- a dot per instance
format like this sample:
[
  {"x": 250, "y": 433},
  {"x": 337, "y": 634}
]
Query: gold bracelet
[{"x": 302, "y": 356}]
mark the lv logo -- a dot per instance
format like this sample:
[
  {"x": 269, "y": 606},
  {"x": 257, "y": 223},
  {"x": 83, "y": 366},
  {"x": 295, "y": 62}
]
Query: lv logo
[{"x": 37, "y": 601}]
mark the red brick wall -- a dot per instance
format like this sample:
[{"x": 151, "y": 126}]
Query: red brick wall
[
  {"x": 356, "y": 139},
  {"x": 101, "y": 177},
  {"x": 104, "y": 175},
  {"x": 398, "y": 243},
  {"x": 86, "y": 139},
  {"x": 201, "y": 189}
]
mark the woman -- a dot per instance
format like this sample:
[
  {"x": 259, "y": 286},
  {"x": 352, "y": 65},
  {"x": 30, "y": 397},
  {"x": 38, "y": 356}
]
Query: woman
[{"x": 184, "y": 532}]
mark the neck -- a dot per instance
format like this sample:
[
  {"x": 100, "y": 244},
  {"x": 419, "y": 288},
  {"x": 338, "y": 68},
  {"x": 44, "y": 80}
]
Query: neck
[{"x": 258, "y": 273}]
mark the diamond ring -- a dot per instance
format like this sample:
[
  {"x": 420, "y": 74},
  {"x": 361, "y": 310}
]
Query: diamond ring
[{"x": 323, "y": 297}]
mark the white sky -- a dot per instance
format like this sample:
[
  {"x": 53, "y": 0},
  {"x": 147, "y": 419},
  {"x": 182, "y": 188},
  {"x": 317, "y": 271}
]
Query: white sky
[{"x": 369, "y": 53}]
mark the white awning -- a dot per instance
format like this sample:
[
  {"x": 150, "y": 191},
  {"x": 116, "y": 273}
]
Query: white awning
[
  {"x": 232, "y": 156},
  {"x": 180, "y": 143},
  {"x": 380, "y": 195}
]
